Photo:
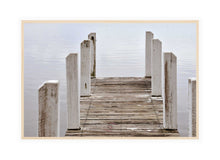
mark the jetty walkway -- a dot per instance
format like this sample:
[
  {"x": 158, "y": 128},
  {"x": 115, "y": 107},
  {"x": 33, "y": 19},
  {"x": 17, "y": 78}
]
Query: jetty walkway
[
  {"x": 116, "y": 106},
  {"x": 121, "y": 106}
]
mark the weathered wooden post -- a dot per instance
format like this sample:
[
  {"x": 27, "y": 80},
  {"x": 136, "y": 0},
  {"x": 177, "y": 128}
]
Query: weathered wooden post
[
  {"x": 148, "y": 53},
  {"x": 85, "y": 68},
  {"x": 48, "y": 121},
  {"x": 92, "y": 37},
  {"x": 156, "y": 71},
  {"x": 192, "y": 106},
  {"x": 73, "y": 91},
  {"x": 170, "y": 97}
]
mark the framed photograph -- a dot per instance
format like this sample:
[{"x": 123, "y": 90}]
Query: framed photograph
[{"x": 110, "y": 79}]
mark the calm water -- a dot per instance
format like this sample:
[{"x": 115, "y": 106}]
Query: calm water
[{"x": 120, "y": 53}]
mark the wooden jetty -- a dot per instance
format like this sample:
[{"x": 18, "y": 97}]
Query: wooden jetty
[
  {"x": 116, "y": 106},
  {"x": 121, "y": 106}
]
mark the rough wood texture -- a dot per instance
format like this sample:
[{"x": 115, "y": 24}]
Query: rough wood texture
[
  {"x": 92, "y": 37},
  {"x": 85, "y": 78},
  {"x": 148, "y": 52},
  {"x": 156, "y": 70},
  {"x": 48, "y": 109},
  {"x": 192, "y": 106},
  {"x": 121, "y": 107},
  {"x": 73, "y": 91},
  {"x": 170, "y": 96}
]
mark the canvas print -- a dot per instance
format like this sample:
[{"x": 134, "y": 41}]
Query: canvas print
[{"x": 110, "y": 79}]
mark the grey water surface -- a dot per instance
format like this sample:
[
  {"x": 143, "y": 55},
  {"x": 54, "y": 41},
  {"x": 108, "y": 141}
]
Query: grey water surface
[{"x": 120, "y": 53}]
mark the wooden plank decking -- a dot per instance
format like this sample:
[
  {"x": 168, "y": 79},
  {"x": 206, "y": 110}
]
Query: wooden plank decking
[{"x": 121, "y": 107}]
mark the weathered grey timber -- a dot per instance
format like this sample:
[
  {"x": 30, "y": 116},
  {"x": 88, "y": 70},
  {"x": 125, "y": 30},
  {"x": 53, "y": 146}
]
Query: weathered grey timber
[
  {"x": 156, "y": 71},
  {"x": 121, "y": 107},
  {"x": 73, "y": 91},
  {"x": 48, "y": 121},
  {"x": 92, "y": 37},
  {"x": 192, "y": 106},
  {"x": 85, "y": 68},
  {"x": 170, "y": 96},
  {"x": 148, "y": 53}
]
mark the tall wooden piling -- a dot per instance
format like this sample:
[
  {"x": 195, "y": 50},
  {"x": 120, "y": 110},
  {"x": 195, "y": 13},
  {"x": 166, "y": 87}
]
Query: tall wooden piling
[
  {"x": 170, "y": 97},
  {"x": 156, "y": 71},
  {"x": 192, "y": 106},
  {"x": 148, "y": 52},
  {"x": 85, "y": 68},
  {"x": 92, "y": 37},
  {"x": 73, "y": 91},
  {"x": 48, "y": 120}
]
